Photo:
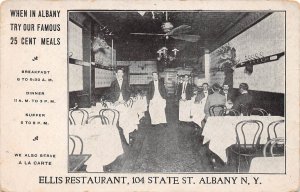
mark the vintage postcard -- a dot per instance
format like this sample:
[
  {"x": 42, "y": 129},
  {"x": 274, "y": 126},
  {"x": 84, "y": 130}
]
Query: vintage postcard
[{"x": 149, "y": 96}]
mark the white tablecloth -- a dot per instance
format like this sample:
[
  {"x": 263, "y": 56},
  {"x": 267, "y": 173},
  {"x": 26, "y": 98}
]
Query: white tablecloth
[
  {"x": 140, "y": 106},
  {"x": 197, "y": 110},
  {"x": 129, "y": 115},
  {"x": 267, "y": 165},
  {"x": 185, "y": 110},
  {"x": 220, "y": 131},
  {"x": 103, "y": 143},
  {"x": 128, "y": 119}
]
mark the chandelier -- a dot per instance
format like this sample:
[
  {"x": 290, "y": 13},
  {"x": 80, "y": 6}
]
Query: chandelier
[{"x": 164, "y": 56}]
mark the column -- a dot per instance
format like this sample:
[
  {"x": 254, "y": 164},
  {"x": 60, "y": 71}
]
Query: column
[{"x": 206, "y": 65}]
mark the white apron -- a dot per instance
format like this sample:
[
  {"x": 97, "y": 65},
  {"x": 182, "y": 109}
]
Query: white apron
[{"x": 157, "y": 107}]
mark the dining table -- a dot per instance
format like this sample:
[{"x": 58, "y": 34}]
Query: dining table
[
  {"x": 101, "y": 142},
  {"x": 267, "y": 165},
  {"x": 220, "y": 132},
  {"x": 129, "y": 113}
]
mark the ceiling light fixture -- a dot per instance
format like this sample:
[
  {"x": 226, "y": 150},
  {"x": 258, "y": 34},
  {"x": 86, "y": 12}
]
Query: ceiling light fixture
[{"x": 164, "y": 56}]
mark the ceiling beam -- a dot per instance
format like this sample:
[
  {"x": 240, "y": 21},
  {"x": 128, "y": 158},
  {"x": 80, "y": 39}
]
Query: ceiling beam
[
  {"x": 236, "y": 22},
  {"x": 94, "y": 17}
]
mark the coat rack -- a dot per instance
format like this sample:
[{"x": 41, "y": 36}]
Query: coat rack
[{"x": 262, "y": 60}]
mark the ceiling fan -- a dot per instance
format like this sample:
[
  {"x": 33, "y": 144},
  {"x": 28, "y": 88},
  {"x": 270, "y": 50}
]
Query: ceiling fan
[{"x": 175, "y": 33}]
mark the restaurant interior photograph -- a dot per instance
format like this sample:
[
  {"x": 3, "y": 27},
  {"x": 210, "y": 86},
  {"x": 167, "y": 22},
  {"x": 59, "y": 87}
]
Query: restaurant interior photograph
[{"x": 176, "y": 91}]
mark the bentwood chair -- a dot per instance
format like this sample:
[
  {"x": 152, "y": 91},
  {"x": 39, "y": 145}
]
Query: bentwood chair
[
  {"x": 248, "y": 134},
  {"x": 258, "y": 111},
  {"x": 112, "y": 117},
  {"x": 271, "y": 162},
  {"x": 108, "y": 116},
  {"x": 77, "y": 161},
  {"x": 231, "y": 112},
  {"x": 275, "y": 130},
  {"x": 129, "y": 103},
  {"x": 93, "y": 120},
  {"x": 217, "y": 110},
  {"x": 244, "y": 109},
  {"x": 271, "y": 144},
  {"x": 81, "y": 112}
]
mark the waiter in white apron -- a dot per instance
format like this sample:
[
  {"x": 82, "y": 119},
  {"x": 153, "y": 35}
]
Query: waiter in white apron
[
  {"x": 156, "y": 100},
  {"x": 185, "y": 93}
]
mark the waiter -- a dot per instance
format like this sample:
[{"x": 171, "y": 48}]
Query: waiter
[
  {"x": 119, "y": 89},
  {"x": 156, "y": 100},
  {"x": 185, "y": 94},
  {"x": 120, "y": 93}
]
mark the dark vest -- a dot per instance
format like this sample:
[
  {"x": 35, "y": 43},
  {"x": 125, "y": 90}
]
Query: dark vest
[{"x": 151, "y": 88}]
